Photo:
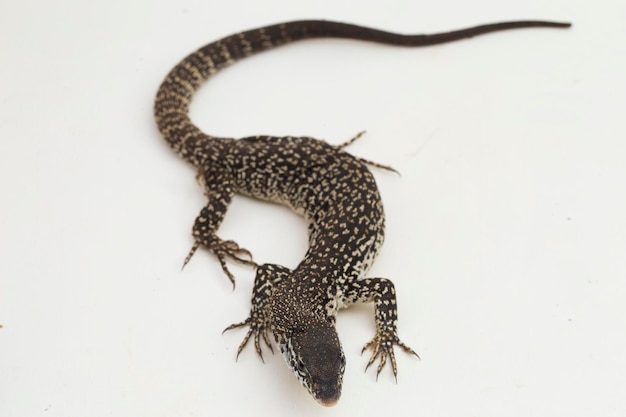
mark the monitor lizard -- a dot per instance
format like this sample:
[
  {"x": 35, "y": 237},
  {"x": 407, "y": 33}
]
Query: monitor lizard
[{"x": 334, "y": 190}]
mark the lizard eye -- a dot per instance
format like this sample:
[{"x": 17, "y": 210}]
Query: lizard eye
[{"x": 300, "y": 367}]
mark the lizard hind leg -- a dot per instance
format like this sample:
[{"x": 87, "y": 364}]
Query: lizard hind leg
[
  {"x": 349, "y": 142},
  {"x": 259, "y": 320},
  {"x": 223, "y": 250},
  {"x": 220, "y": 191}
]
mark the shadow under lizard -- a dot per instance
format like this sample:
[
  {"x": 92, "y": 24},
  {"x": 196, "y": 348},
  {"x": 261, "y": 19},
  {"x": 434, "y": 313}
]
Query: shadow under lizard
[{"x": 334, "y": 190}]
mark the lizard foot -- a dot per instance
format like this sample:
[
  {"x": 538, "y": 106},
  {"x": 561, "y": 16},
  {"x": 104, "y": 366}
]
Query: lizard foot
[
  {"x": 259, "y": 328},
  {"x": 363, "y": 160},
  {"x": 223, "y": 249},
  {"x": 382, "y": 347}
]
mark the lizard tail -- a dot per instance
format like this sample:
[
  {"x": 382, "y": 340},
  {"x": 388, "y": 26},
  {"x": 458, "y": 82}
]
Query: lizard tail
[{"x": 174, "y": 96}]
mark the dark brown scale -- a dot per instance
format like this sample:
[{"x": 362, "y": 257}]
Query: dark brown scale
[{"x": 332, "y": 189}]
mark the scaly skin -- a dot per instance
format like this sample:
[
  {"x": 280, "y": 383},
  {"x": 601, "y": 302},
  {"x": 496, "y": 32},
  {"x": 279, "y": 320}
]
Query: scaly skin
[{"x": 332, "y": 189}]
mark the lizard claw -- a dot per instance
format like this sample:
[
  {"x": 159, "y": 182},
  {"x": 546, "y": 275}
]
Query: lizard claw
[
  {"x": 259, "y": 329},
  {"x": 223, "y": 249},
  {"x": 382, "y": 349}
]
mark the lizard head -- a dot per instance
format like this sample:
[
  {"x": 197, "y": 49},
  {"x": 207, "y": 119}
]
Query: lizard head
[{"x": 313, "y": 352}]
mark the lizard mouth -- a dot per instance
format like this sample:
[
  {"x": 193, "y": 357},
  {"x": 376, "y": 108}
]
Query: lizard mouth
[
  {"x": 328, "y": 402},
  {"x": 328, "y": 394}
]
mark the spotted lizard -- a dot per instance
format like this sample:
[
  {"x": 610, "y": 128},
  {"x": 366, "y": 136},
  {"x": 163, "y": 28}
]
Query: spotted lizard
[{"x": 334, "y": 191}]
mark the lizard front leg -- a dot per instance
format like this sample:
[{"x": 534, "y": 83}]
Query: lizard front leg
[
  {"x": 267, "y": 276},
  {"x": 219, "y": 189},
  {"x": 382, "y": 292}
]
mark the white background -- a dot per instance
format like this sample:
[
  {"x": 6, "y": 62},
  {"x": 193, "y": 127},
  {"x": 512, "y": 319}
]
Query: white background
[{"x": 506, "y": 230}]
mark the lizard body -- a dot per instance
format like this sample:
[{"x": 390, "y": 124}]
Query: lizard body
[{"x": 334, "y": 190}]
